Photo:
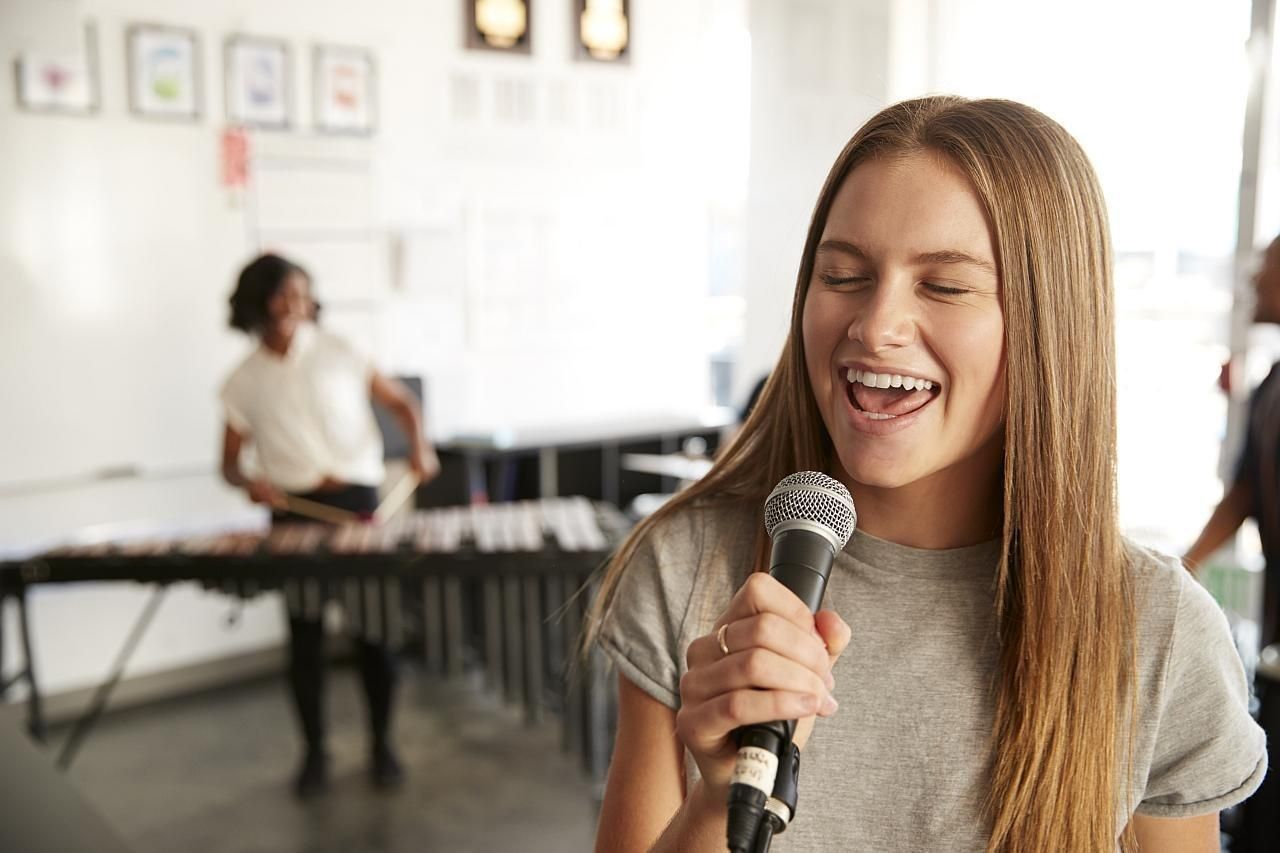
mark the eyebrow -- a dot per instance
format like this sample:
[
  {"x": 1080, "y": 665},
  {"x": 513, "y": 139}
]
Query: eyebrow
[{"x": 942, "y": 256}]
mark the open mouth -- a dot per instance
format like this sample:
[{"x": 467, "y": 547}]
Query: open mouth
[{"x": 885, "y": 396}]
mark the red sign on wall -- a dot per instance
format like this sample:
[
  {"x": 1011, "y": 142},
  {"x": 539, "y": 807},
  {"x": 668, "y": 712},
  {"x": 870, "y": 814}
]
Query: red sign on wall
[{"x": 235, "y": 158}]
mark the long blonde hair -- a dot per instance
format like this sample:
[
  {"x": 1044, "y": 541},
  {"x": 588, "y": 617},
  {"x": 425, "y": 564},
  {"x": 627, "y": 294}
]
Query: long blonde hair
[{"x": 1064, "y": 610}]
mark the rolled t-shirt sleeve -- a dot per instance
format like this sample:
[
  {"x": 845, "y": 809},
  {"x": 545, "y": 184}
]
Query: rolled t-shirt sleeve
[
  {"x": 641, "y": 633},
  {"x": 357, "y": 359},
  {"x": 1209, "y": 753},
  {"x": 233, "y": 408}
]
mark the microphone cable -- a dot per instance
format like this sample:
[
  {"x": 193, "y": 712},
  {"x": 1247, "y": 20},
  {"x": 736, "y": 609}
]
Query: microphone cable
[
  {"x": 781, "y": 807},
  {"x": 761, "y": 750},
  {"x": 764, "y": 838}
]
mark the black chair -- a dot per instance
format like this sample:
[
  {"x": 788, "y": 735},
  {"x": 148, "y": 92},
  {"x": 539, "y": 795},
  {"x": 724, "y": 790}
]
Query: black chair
[
  {"x": 394, "y": 443},
  {"x": 450, "y": 487}
]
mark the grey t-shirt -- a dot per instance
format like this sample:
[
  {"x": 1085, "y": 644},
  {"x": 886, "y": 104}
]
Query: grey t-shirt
[{"x": 902, "y": 765}]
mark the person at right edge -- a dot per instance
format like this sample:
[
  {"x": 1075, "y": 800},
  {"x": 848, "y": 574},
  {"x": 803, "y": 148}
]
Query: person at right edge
[
  {"x": 998, "y": 669},
  {"x": 1256, "y": 490}
]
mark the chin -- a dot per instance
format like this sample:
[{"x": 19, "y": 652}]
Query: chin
[{"x": 877, "y": 473}]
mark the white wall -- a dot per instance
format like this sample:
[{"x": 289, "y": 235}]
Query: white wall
[
  {"x": 818, "y": 71},
  {"x": 549, "y": 200},
  {"x": 1159, "y": 109},
  {"x": 535, "y": 232}
]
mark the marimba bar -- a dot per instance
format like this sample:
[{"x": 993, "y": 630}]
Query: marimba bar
[{"x": 519, "y": 564}]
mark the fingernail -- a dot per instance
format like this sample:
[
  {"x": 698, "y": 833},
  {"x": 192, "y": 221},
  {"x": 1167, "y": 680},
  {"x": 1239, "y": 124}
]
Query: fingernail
[
  {"x": 830, "y": 680},
  {"x": 829, "y": 705}
]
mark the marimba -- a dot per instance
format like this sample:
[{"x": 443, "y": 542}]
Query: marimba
[{"x": 496, "y": 581}]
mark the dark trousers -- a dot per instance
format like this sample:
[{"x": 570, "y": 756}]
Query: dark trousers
[
  {"x": 1261, "y": 813},
  {"x": 306, "y": 679},
  {"x": 306, "y": 649}
]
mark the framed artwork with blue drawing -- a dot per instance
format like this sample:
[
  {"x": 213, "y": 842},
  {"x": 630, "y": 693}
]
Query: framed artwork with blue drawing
[
  {"x": 164, "y": 72},
  {"x": 259, "y": 88}
]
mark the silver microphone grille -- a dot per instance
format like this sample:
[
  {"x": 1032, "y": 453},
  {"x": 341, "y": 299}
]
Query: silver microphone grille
[{"x": 809, "y": 499}]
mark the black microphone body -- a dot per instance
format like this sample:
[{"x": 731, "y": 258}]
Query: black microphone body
[
  {"x": 809, "y": 516},
  {"x": 801, "y": 561}
]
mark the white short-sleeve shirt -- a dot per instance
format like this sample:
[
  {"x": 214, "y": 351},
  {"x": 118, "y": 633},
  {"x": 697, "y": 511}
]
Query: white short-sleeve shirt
[{"x": 308, "y": 413}]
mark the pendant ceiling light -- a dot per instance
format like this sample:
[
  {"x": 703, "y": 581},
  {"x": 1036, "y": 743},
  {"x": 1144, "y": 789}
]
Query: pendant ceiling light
[
  {"x": 502, "y": 22},
  {"x": 603, "y": 28}
]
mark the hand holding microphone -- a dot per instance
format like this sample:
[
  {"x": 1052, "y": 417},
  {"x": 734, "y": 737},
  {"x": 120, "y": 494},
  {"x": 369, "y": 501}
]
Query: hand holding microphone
[
  {"x": 777, "y": 667},
  {"x": 769, "y": 656}
]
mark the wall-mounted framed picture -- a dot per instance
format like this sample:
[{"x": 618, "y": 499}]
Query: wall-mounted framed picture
[
  {"x": 258, "y": 81},
  {"x": 345, "y": 81},
  {"x": 60, "y": 82},
  {"x": 602, "y": 30},
  {"x": 346, "y": 90},
  {"x": 499, "y": 25},
  {"x": 164, "y": 72}
]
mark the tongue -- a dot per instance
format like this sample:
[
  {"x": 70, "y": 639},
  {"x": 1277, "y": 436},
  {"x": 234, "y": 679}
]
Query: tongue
[{"x": 889, "y": 401}]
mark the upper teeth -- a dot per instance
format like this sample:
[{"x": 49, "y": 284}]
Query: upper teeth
[{"x": 888, "y": 380}]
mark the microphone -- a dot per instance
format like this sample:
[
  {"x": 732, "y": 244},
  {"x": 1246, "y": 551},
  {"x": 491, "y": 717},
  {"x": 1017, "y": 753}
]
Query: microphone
[{"x": 810, "y": 517}]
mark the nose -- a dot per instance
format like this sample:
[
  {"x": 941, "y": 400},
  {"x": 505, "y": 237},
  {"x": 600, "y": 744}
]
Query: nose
[{"x": 886, "y": 319}]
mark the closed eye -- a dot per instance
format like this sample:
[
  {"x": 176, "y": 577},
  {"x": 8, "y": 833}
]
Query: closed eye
[
  {"x": 827, "y": 278},
  {"x": 944, "y": 290}
]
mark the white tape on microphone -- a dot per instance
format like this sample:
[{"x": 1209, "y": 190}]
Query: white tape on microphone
[{"x": 755, "y": 767}]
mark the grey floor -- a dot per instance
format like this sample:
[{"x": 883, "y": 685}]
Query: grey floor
[{"x": 211, "y": 773}]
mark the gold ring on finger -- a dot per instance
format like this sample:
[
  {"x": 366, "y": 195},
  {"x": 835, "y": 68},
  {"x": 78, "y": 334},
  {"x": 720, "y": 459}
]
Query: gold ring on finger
[{"x": 724, "y": 647}]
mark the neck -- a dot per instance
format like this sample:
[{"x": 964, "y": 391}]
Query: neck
[
  {"x": 954, "y": 508},
  {"x": 277, "y": 340}
]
